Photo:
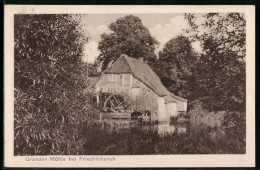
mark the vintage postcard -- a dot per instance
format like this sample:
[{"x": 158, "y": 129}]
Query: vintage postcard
[{"x": 129, "y": 86}]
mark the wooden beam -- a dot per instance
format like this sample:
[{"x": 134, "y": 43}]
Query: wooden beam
[
  {"x": 131, "y": 80},
  {"x": 97, "y": 96},
  {"x": 117, "y": 102},
  {"x": 123, "y": 80},
  {"x": 117, "y": 115},
  {"x": 111, "y": 102}
]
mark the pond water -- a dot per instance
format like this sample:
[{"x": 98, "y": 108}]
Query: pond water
[
  {"x": 161, "y": 129},
  {"x": 165, "y": 129},
  {"x": 136, "y": 137}
]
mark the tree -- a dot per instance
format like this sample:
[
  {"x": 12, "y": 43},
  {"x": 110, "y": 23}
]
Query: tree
[
  {"x": 93, "y": 69},
  {"x": 228, "y": 31},
  {"x": 129, "y": 36},
  {"x": 220, "y": 70},
  {"x": 221, "y": 79},
  {"x": 50, "y": 104},
  {"x": 175, "y": 65}
]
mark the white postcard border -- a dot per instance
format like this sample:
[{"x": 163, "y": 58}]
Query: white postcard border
[{"x": 225, "y": 160}]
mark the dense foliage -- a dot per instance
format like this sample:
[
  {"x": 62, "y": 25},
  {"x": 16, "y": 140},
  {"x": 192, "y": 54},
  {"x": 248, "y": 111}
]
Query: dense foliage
[
  {"x": 216, "y": 75},
  {"x": 220, "y": 71},
  {"x": 50, "y": 85},
  {"x": 129, "y": 36},
  {"x": 175, "y": 66}
]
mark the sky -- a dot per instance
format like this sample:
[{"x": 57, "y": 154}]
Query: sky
[{"x": 162, "y": 27}]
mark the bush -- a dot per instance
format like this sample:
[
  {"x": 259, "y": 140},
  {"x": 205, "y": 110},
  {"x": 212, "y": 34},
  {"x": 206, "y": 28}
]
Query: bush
[
  {"x": 51, "y": 93},
  {"x": 199, "y": 115},
  {"x": 235, "y": 127},
  {"x": 232, "y": 124}
]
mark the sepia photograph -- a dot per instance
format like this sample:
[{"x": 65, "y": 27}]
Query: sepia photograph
[{"x": 129, "y": 83}]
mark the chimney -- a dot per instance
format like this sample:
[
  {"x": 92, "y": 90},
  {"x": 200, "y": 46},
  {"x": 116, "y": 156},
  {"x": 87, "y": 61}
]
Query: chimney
[{"x": 141, "y": 59}]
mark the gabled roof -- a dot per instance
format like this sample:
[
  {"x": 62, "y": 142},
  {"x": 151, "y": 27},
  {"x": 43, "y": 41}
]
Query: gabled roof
[
  {"x": 176, "y": 98},
  {"x": 179, "y": 98},
  {"x": 143, "y": 73},
  {"x": 140, "y": 71},
  {"x": 169, "y": 99},
  {"x": 120, "y": 66}
]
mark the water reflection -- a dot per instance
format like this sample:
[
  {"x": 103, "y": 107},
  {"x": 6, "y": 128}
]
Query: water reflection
[
  {"x": 162, "y": 129},
  {"x": 165, "y": 129}
]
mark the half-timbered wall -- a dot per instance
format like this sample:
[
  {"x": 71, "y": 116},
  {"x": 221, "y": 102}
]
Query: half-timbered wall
[
  {"x": 143, "y": 97},
  {"x": 114, "y": 83}
]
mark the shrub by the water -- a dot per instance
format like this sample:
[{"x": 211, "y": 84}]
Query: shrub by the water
[
  {"x": 232, "y": 124},
  {"x": 199, "y": 115}
]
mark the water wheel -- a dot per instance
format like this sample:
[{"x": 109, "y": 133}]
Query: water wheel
[{"x": 115, "y": 102}]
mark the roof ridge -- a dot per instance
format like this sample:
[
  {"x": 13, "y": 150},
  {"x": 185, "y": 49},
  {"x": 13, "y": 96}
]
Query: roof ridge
[
  {"x": 141, "y": 71},
  {"x": 126, "y": 58},
  {"x": 129, "y": 59}
]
